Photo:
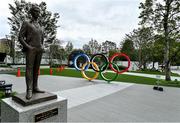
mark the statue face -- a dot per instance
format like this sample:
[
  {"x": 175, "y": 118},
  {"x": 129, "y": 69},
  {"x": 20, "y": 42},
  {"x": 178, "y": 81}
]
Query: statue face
[{"x": 35, "y": 11}]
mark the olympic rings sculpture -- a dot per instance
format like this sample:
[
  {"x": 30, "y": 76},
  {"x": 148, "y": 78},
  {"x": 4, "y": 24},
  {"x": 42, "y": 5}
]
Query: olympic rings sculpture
[{"x": 102, "y": 68}]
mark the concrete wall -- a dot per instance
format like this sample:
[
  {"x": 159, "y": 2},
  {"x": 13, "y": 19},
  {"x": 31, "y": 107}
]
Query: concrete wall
[
  {"x": 134, "y": 65},
  {"x": 23, "y": 61}
]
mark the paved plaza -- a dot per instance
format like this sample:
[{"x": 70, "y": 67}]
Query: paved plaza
[{"x": 98, "y": 101}]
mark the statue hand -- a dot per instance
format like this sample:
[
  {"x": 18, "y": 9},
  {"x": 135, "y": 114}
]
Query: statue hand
[{"x": 32, "y": 48}]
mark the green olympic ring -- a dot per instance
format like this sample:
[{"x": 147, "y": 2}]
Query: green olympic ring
[{"x": 101, "y": 72}]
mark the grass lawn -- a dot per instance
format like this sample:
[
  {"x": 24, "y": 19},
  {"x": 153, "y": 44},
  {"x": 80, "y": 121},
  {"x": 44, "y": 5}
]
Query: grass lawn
[
  {"x": 155, "y": 72},
  {"x": 121, "y": 77}
]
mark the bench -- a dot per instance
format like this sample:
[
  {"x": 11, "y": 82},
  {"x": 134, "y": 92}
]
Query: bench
[{"x": 7, "y": 88}]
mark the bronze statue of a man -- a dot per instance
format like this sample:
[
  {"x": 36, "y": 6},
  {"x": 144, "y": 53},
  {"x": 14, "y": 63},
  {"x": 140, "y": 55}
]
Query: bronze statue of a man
[{"x": 31, "y": 38}]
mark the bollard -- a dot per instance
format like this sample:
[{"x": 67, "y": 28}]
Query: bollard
[
  {"x": 60, "y": 68},
  {"x": 18, "y": 72},
  {"x": 50, "y": 71}
]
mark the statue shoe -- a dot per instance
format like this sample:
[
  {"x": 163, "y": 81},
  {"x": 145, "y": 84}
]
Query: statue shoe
[
  {"x": 37, "y": 90},
  {"x": 29, "y": 94}
]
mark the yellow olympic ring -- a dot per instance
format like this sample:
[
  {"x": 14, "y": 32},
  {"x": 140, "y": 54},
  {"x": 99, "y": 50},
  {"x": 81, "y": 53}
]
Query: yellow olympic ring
[{"x": 83, "y": 71}]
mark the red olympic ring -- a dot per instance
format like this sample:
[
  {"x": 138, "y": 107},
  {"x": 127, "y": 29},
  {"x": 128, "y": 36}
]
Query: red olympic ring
[{"x": 116, "y": 55}]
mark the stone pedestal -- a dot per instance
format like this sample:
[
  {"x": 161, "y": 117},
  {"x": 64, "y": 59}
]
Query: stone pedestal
[{"x": 49, "y": 111}]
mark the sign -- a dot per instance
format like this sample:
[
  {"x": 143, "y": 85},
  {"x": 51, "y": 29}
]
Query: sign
[{"x": 45, "y": 115}]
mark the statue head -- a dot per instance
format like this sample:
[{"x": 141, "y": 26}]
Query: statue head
[{"x": 35, "y": 11}]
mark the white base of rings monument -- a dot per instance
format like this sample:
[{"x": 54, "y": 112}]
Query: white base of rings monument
[{"x": 48, "y": 111}]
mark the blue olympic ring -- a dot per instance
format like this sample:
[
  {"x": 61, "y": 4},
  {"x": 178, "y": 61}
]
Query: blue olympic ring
[{"x": 76, "y": 58}]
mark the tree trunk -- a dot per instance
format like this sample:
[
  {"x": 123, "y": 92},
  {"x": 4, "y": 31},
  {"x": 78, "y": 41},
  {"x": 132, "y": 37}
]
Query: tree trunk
[
  {"x": 13, "y": 52},
  {"x": 50, "y": 59},
  {"x": 144, "y": 66},
  {"x": 153, "y": 68},
  {"x": 13, "y": 57},
  {"x": 167, "y": 43},
  {"x": 167, "y": 62}
]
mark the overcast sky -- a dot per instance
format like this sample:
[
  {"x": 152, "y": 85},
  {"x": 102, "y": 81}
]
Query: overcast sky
[{"x": 82, "y": 20}]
